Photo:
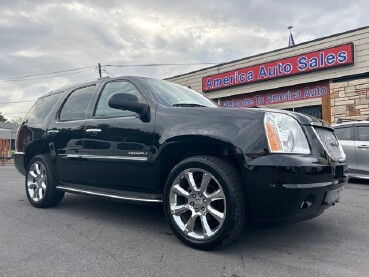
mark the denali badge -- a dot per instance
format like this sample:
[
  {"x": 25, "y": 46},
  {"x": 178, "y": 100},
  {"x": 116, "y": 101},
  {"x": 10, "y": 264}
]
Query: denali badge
[{"x": 137, "y": 153}]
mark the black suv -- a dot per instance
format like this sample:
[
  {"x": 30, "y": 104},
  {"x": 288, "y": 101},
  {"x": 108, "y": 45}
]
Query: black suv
[{"x": 151, "y": 141}]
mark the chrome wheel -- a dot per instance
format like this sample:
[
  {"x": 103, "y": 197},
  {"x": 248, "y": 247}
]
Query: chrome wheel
[
  {"x": 36, "y": 181},
  {"x": 197, "y": 203}
]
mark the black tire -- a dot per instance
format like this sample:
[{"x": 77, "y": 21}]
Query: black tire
[
  {"x": 225, "y": 181},
  {"x": 46, "y": 195}
]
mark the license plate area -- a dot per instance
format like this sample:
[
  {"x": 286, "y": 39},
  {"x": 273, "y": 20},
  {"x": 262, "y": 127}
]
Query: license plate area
[{"x": 332, "y": 196}]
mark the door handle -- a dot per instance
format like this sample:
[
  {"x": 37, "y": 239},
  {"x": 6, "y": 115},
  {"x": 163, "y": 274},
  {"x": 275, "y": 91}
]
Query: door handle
[
  {"x": 93, "y": 132},
  {"x": 52, "y": 132},
  {"x": 363, "y": 146}
]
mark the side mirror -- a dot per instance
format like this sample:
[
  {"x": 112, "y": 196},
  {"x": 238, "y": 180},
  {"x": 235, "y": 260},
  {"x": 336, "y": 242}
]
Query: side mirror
[{"x": 129, "y": 102}]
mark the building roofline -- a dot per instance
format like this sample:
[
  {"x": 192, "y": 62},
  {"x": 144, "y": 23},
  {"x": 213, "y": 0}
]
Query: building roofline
[
  {"x": 269, "y": 52},
  {"x": 9, "y": 126}
]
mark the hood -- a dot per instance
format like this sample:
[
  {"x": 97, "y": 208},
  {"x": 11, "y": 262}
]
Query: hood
[{"x": 303, "y": 119}]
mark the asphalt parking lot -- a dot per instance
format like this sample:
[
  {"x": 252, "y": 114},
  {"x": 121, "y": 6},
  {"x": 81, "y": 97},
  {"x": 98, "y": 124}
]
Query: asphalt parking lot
[{"x": 86, "y": 236}]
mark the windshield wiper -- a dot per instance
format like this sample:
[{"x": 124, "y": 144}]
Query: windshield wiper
[{"x": 187, "y": 105}]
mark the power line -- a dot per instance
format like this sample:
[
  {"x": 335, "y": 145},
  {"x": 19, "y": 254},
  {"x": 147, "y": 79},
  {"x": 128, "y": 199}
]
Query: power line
[
  {"x": 47, "y": 77},
  {"x": 110, "y": 75},
  {"x": 85, "y": 69},
  {"x": 16, "y": 102},
  {"x": 43, "y": 74},
  {"x": 14, "y": 113},
  {"x": 82, "y": 69},
  {"x": 29, "y": 102}
]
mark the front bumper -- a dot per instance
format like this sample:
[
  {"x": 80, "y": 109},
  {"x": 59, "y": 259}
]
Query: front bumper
[{"x": 289, "y": 188}]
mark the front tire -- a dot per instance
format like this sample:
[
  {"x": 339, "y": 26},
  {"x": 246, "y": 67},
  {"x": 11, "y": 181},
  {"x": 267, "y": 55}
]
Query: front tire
[
  {"x": 41, "y": 183},
  {"x": 204, "y": 203}
]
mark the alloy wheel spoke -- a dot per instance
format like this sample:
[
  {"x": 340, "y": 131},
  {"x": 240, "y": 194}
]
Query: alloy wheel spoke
[
  {"x": 43, "y": 185},
  {"x": 191, "y": 223},
  {"x": 205, "y": 226},
  {"x": 180, "y": 191},
  {"x": 179, "y": 209},
  {"x": 40, "y": 193},
  {"x": 217, "y": 195},
  {"x": 35, "y": 194},
  {"x": 191, "y": 180},
  {"x": 216, "y": 214},
  {"x": 37, "y": 169},
  {"x": 32, "y": 186},
  {"x": 206, "y": 178},
  {"x": 33, "y": 174}
]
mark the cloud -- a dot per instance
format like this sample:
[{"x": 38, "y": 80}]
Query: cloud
[{"x": 44, "y": 36}]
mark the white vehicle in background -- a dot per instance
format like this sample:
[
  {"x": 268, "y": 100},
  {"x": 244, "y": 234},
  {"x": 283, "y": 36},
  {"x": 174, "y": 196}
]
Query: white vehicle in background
[{"x": 354, "y": 138}]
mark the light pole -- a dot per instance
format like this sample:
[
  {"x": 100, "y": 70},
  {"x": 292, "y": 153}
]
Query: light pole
[{"x": 291, "y": 41}]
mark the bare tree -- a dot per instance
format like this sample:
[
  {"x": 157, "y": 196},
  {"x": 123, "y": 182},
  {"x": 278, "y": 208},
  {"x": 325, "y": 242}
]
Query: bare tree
[{"x": 16, "y": 120}]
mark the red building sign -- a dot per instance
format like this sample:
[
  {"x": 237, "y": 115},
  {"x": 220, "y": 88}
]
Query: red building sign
[
  {"x": 294, "y": 93},
  {"x": 313, "y": 61}
]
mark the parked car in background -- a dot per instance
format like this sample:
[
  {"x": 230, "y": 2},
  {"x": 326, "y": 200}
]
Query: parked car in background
[
  {"x": 151, "y": 141},
  {"x": 354, "y": 138}
]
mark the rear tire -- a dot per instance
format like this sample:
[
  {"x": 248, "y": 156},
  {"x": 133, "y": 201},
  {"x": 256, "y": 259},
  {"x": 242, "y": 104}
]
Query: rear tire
[
  {"x": 204, "y": 203},
  {"x": 41, "y": 183}
]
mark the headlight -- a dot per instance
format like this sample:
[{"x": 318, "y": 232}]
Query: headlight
[{"x": 285, "y": 134}]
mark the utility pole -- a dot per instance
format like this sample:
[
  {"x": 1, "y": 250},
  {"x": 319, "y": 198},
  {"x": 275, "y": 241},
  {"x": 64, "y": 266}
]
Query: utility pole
[{"x": 99, "y": 66}]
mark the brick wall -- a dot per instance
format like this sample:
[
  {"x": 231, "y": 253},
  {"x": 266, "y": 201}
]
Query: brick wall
[{"x": 350, "y": 100}]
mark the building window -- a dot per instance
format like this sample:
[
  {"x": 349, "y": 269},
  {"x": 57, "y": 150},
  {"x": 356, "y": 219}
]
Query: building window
[{"x": 315, "y": 111}]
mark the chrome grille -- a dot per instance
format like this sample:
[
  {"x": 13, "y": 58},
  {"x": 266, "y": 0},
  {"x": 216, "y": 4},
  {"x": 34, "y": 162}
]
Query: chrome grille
[{"x": 330, "y": 143}]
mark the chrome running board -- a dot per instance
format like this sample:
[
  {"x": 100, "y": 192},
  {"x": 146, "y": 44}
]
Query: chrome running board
[{"x": 112, "y": 193}]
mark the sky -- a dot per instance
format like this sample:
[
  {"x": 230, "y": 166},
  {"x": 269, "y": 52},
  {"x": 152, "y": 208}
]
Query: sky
[{"x": 43, "y": 36}]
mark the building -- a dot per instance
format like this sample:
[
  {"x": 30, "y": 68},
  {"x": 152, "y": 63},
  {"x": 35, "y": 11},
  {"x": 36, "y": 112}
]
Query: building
[
  {"x": 8, "y": 132},
  {"x": 327, "y": 77}
]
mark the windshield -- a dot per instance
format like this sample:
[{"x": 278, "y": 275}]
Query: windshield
[{"x": 173, "y": 95}]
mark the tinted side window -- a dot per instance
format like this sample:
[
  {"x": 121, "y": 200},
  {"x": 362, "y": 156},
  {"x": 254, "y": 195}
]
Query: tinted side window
[
  {"x": 76, "y": 104},
  {"x": 344, "y": 133},
  {"x": 363, "y": 132},
  {"x": 103, "y": 109},
  {"x": 41, "y": 109}
]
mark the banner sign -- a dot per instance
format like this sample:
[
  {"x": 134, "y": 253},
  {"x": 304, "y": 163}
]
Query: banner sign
[
  {"x": 294, "y": 93},
  {"x": 313, "y": 61}
]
